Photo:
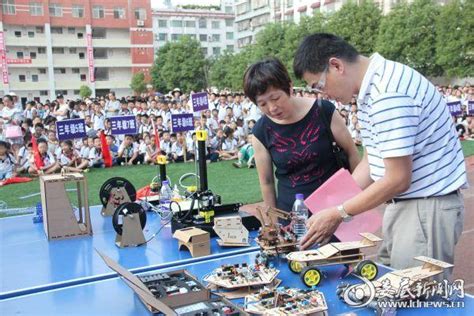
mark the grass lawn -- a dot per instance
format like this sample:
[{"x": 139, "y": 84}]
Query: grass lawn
[{"x": 234, "y": 185}]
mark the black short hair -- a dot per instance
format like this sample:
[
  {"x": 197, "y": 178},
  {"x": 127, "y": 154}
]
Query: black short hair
[
  {"x": 315, "y": 50},
  {"x": 262, "y": 75},
  {"x": 68, "y": 142},
  {"x": 41, "y": 140}
]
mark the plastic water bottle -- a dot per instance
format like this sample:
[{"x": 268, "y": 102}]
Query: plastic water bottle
[
  {"x": 299, "y": 215},
  {"x": 165, "y": 198}
]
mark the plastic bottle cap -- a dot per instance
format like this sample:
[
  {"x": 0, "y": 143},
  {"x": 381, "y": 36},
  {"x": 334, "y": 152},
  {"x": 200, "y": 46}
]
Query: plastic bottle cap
[{"x": 299, "y": 196}]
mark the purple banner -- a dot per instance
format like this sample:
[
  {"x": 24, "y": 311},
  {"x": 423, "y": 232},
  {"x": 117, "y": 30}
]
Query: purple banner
[
  {"x": 182, "y": 122},
  {"x": 455, "y": 108},
  {"x": 70, "y": 129},
  {"x": 123, "y": 125},
  {"x": 470, "y": 108},
  {"x": 200, "y": 101}
]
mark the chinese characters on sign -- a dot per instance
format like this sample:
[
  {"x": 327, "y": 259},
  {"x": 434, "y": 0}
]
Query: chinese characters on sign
[
  {"x": 70, "y": 129},
  {"x": 182, "y": 122},
  {"x": 470, "y": 107},
  {"x": 90, "y": 57},
  {"x": 200, "y": 101},
  {"x": 3, "y": 57},
  {"x": 455, "y": 108},
  {"x": 124, "y": 125},
  {"x": 19, "y": 60}
]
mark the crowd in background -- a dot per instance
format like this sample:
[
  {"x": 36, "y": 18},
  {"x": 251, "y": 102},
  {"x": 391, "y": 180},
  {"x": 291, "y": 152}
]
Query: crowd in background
[{"x": 228, "y": 122}]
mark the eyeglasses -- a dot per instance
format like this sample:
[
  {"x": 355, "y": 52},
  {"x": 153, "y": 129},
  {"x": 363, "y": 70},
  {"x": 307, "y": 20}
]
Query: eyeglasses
[{"x": 320, "y": 85}]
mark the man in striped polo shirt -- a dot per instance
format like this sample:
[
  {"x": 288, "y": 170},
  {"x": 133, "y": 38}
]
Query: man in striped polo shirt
[{"x": 413, "y": 157}]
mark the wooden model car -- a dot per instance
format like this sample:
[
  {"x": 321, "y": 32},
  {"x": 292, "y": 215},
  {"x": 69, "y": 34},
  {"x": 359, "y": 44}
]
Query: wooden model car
[
  {"x": 349, "y": 253},
  {"x": 286, "y": 301}
]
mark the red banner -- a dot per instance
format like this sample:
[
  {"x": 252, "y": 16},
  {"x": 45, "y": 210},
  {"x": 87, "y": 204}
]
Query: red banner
[
  {"x": 3, "y": 57},
  {"x": 19, "y": 60},
  {"x": 90, "y": 57}
]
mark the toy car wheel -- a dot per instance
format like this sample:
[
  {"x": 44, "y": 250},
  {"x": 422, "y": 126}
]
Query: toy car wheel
[
  {"x": 367, "y": 269},
  {"x": 311, "y": 276},
  {"x": 296, "y": 266}
]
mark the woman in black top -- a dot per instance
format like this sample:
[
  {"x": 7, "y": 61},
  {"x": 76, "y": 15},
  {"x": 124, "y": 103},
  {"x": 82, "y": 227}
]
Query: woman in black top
[{"x": 292, "y": 136}]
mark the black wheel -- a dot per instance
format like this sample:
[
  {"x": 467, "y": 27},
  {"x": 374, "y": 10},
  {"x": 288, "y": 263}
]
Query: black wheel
[
  {"x": 116, "y": 182},
  {"x": 367, "y": 269},
  {"x": 126, "y": 209},
  {"x": 311, "y": 276}
]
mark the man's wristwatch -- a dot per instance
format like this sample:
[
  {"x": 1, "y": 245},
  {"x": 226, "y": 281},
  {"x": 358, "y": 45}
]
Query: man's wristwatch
[{"x": 342, "y": 211}]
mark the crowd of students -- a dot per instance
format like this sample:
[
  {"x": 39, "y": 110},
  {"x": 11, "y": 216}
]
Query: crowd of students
[{"x": 228, "y": 122}]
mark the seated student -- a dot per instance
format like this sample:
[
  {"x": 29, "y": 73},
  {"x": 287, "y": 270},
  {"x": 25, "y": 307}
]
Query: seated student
[
  {"x": 53, "y": 143},
  {"x": 87, "y": 144},
  {"x": 23, "y": 160},
  {"x": 215, "y": 145},
  {"x": 152, "y": 151},
  {"x": 354, "y": 129},
  {"x": 7, "y": 161},
  {"x": 96, "y": 159},
  {"x": 142, "y": 144},
  {"x": 179, "y": 149},
  {"x": 165, "y": 144},
  {"x": 50, "y": 165},
  {"x": 113, "y": 148},
  {"x": 70, "y": 159},
  {"x": 128, "y": 152},
  {"x": 229, "y": 146},
  {"x": 246, "y": 154}
]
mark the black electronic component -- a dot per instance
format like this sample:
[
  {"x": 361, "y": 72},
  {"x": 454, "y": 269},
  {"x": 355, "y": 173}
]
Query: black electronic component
[
  {"x": 126, "y": 209},
  {"x": 116, "y": 183}
]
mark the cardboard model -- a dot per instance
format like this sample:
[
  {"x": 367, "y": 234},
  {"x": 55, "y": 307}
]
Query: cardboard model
[
  {"x": 231, "y": 231},
  {"x": 196, "y": 240},
  {"x": 60, "y": 220}
]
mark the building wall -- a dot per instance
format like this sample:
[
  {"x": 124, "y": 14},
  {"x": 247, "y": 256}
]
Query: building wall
[{"x": 48, "y": 54}]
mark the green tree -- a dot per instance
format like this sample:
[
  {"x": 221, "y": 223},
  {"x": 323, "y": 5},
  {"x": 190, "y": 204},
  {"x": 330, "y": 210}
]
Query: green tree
[
  {"x": 357, "y": 24},
  {"x": 179, "y": 64},
  {"x": 138, "y": 83},
  {"x": 408, "y": 35},
  {"x": 454, "y": 38},
  {"x": 85, "y": 91}
]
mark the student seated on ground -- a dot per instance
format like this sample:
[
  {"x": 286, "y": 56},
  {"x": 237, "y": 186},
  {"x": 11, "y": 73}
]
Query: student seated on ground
[
  {"x": 179, "y": 149},
  {"x": 7, "y": 162},
  {"x": 246, "y": 155},
  {"x": 128, "y": 152},
  {"x": 23, "y": 160},
  {"x": 70, "y": 159},
  {"x": 96, "y": 159},
  {"x": 229, "y": 146},
  {"x": 112, "y": 147},
  {"x": 50, "y": 165}
]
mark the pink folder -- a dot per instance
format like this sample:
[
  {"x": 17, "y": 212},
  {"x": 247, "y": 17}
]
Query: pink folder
[{"x": 336, "y": 190}]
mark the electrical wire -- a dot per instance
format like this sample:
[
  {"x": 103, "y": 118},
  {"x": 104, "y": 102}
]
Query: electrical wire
[{"x": 163, "y": 225}]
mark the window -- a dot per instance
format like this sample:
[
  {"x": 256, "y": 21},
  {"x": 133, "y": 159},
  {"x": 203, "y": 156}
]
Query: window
[
  {"x": 140, "y": 14},
  {"x": 100, "y": 53},
  {"x": 22, "y": 78},
  {"x": 190, "y": 23},
  {"x": 98, "y": 33},
  {"x": 59, "y": 71},
  {"x": 8, "y": 7},
  {"x": 175, "y": 37},
  {"x": 41, "y": 50},
  {"x": 77, "y": 11},
  {"x": 81, "y": 56},
  {"x": 162, "y": 37},
  {"x": 17, "y": 33},
  {"x": 34, "y": 78},
  {"x": 36, "y": 9},
  {"x": 228, "y": 9},
  {"x": 72, "y": 50},
  {"x": 202, "y": 23},
  {"x": 229, "y": 22},
  {"x": 19, "y": 55},
  {"x": 216, "y": 51},
  {"x": 216, "y": 24},
  {"x": 230, "y": 48},
  {"x": 31, "y": 34},
  {"x": 83, "y": 77},
  {"x": 58, "y": 50},
  {"x": 33, "y": 55},
  {"x": 289, "y": 3},
  {"x": 203, "y": 37},
  {"x": 42, "y": 71},
  {"x": 98, "y": 12},
  {"x": 229, "y": 35},
  {"x": 63, "y": 92},
  {"x": 80, "y": 35},
  {"x": 76, "y": 92},
  {"x": 101, "y": 74},
  {"x": 162, "y": 23},
  {"x": 176, "y": 23},
  {"x": 216, "y": 37},
  {"x": 55, "y": 9},
  {"x": 204, "y": 51},
  {"x": 56, "y": 30},
  {"x": 76, "y": 70},
  {"x": 39, "y": 29},
  {"x": 119, "y": 13},
  {"x": 44, "y": 93},
  {"x": 71, "y": 30}
]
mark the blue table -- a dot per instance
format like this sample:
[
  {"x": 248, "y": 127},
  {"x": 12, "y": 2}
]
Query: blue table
[
  {"x": 29, "y": 263},
  {"x": 114, "y": 297}
]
